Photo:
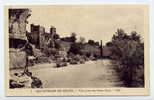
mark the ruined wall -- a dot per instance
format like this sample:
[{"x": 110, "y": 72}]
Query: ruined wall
[
  {"x": 36, "y": 36},
  {"x": 42, "y": 37},
  {"x": 17, "y": 36},
  {"x": 17, "y": 59},
  {"x": 17, "y": 23}
]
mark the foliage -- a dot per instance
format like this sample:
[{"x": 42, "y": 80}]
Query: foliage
[
  {"x": 72, "y": 38},
  {"x": 76, "y": 48},
  {"x": 56, "y": 36},
  {"x": 91, "y": 42},
  {"x": 49, "y": 51},
  {"x": 129, "y": 51}
]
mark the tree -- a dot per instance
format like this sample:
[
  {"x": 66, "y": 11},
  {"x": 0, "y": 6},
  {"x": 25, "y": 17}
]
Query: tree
[
  {"x": 128, "y": 50},
  {"x": 91, "y": 42},
  {"x": 96, "y": 43},
  {"x": 76, "y": 48},
  {"x": 56, "y": 36},
  {"x": 109, "y": 44},
  {"x": 73, "y": 37},
  {"x": 135, "y": 36},
  {"x": 119, "y": 35}
]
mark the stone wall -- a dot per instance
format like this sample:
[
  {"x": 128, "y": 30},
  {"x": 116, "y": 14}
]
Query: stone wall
[
  {"x": 17, "y": 23},
  {"x": 17, "y": 59},
  {"x": 17, "y": 36}
]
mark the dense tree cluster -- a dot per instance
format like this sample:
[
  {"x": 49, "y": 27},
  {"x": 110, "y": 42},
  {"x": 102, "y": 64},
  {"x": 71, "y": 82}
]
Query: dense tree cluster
[
  {"x": 72, "y": 38},
  {"x": 129, "y": 51}
]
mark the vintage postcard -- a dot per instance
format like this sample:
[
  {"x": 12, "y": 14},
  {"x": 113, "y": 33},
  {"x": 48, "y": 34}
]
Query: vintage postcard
[{"x": 77, "y": 50}]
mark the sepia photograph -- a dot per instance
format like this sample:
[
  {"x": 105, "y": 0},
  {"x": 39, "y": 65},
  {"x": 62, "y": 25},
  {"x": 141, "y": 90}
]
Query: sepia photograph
[{"x": 73, "y": 50}]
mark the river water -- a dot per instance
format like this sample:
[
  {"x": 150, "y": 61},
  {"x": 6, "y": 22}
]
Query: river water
[{"x": 92, "y": 74}]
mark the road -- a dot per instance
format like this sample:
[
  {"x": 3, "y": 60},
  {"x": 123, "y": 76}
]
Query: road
[{"x": 92, "y": 74}]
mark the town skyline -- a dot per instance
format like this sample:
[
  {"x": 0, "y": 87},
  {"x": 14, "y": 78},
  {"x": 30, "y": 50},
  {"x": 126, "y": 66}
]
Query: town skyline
[{"x": 88, "y": 22}]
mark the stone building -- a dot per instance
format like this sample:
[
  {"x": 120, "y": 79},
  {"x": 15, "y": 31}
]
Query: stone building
[
  {"x": 35, "y": 34},
  {"x": 40, "y": 38},
  {"x": 17, "y": 26},
  {"x": 17, "y": 36}
]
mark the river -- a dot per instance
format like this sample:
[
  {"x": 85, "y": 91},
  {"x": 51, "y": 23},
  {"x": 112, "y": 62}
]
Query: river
[{"x": 92, "y": 74}]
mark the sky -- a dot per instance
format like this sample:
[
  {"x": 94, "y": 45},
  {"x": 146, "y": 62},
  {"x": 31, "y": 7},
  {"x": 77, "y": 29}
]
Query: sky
[{"x": 97, "y": 22}]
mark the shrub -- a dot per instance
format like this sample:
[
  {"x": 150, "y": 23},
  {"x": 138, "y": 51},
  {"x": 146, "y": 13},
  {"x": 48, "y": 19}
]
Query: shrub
[{"x": 128, "y": 50}]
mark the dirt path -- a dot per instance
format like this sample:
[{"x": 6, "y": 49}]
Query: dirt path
[{"x": 92, "y": 74}]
